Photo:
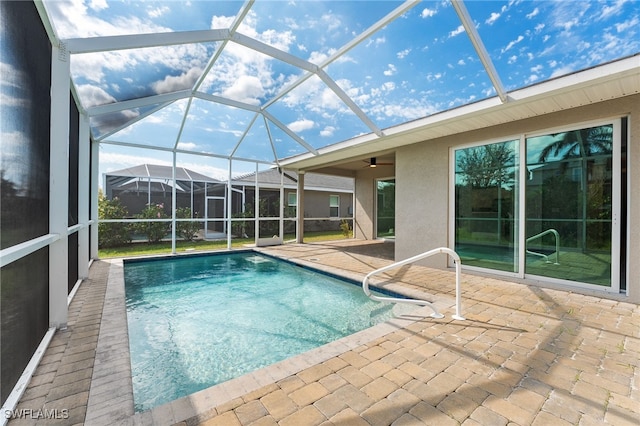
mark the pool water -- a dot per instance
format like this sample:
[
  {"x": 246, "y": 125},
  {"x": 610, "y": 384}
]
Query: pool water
[{"x": 198, "y": 321}]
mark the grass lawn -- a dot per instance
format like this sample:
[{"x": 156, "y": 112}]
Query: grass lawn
[{"x": 164, "y": 247}]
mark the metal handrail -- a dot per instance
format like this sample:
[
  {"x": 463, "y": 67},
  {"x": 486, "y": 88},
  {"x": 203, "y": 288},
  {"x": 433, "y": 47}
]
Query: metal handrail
[
  {"x": 540, "y": 235},
  {"x": 435, "y": 314}
]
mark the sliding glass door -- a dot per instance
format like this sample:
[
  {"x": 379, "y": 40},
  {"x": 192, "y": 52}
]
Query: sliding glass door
[
  {"x": 385, "y": 208},
  {"x": 486, "y": 192},
  {"x": 569, "y": 205},
  {"x": 543, "y": 205}
]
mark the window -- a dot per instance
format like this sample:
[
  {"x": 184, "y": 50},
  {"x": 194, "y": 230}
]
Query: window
[
  {"x": 486, "y": 188},
  {"x": 553, "y": 220},
  {"x": 292, "y": 204},
  {"x": 334, "y": 206}
]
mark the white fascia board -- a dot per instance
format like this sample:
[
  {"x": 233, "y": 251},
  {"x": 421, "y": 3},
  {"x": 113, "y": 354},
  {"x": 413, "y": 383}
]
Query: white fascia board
[
  {"x": 226, "y": 101},
  {"x": 139, "y": 41},
  {"x": 136, "y": 103}
]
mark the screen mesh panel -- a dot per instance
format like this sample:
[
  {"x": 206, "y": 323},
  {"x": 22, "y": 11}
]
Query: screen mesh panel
[{"x": 24, "y": 172}]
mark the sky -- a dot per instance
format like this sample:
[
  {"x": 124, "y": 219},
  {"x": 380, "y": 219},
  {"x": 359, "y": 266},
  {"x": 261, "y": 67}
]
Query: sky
[{"x": 419, "y": 64}]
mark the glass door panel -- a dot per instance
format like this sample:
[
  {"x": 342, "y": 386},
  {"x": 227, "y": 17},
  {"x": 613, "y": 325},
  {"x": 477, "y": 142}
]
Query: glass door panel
[
  {"x": 486, "y": 195},
  {"x": 386, "y": 208},
  {"x": 569, "y": 205}
]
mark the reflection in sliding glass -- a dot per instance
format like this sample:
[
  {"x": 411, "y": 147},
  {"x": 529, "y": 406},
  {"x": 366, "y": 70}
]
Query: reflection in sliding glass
[
  {"x": 486, "y": 196},
  {"x": 569, "y": 205}
]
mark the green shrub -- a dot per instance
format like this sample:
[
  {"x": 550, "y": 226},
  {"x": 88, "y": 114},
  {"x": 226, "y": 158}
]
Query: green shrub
[
  {"x": 345, "y": 227},
  {"x": 154, "y": 231},
  {"x": 112, "y": 234},
  {"x": 186, "y": 230}
]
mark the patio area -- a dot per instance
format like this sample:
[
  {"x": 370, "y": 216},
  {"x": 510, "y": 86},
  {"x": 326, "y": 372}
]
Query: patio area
[{"x": 524, "y": 355}]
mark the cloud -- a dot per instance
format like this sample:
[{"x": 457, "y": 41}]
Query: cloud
[
  {"x": 183, "y": 81},
  {"x": 609, "y": 9},
  {"x": 532, "y": 79},
  {"x": 512, "y": 43},
  {"x": 245, "y": 88},
  {"x": 98, "y": 5},
  {"x": 567, "y": 69},
  {"x": 457, "y": 31},
  {"x": 628, "y": 25},
  {"x": 492, "y": 19},
  {"x": 158, "y": 11},
  {"x": 403, "y": 53},
  {"x": 94, "y": 95},
  {"x": 327, "y": 132},
  {"x": 427, "y": 13},
  {"x": 533, "y": 13},
  {"x": 391, "y": 70},
  {"x": 187, "y": 146},
  {"x": 434, "y": 76},
  {"x": 301, "y": 125},
  {"x": 377, "y": 41}
]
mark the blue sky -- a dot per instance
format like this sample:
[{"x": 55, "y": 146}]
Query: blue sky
[{"x": 419, "y": 64}]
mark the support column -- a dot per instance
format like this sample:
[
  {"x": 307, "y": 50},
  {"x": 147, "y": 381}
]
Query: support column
[
  {"x": 84, "y": 196},
  {"x": 282, "y": 201},
  {"x": 95, "y": 185},
  {"x": 256, "y": 208},
  {"x": 228, "y": 205},
  {"x": 173, "y": 205},
  {"x": 300, "y": 208},
  {"x": 59, "y": 187}
]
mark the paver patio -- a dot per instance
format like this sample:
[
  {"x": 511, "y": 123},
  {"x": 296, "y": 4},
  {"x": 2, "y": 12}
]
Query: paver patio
[{"x": 525, "y": 355}]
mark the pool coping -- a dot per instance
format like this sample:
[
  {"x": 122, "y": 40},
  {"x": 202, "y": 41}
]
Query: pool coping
[{"x": 111, "y": 394}]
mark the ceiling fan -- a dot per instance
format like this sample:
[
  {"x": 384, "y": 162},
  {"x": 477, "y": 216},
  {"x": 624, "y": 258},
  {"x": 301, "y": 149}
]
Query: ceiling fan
[{"x": 373, "y": 162}]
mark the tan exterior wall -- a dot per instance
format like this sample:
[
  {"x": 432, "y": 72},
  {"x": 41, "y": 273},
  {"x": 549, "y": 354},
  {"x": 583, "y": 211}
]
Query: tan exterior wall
[
  {"x": 316, "y": 203},
  {"x": 422, "y": 183},
  {"x": 365, "y": 189}
]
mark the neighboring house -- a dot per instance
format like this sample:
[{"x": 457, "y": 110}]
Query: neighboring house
[
  {"x": 140, "y": 186},
  {"x": 326, "y": 197}
]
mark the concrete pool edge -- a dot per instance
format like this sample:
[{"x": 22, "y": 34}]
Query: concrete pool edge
[{"x": 111, "y": 395}]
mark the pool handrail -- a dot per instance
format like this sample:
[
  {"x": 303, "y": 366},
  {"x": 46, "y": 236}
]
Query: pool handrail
[
  {"x": 556, "y": 234},
  {"x": 435, "y": 314}
]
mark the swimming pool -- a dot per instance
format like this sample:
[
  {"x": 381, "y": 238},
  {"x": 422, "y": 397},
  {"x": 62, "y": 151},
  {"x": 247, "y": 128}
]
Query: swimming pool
[{"x": 198, "y": 321}]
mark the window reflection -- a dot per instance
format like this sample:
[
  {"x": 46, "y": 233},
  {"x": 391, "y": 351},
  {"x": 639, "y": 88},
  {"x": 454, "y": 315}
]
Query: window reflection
[
  {"x": 569, "y": 190},
  {"x": 486, "y": 205}
]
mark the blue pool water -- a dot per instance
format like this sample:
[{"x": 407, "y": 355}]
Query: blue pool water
[{"x": 198, "y": 321}]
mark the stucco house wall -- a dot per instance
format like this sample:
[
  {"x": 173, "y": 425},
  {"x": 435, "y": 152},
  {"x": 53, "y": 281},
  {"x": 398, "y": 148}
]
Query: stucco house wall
[
  {"x": 422, "y": 182},
  {"x": 365, "y": 189}
]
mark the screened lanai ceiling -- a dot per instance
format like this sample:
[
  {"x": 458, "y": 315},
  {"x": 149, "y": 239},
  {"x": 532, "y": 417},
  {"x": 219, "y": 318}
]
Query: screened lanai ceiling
[{"x": 267, "y": 80}]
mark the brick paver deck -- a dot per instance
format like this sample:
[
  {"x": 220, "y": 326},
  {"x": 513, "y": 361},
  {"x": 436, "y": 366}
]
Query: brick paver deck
[{"x": 524, "y": 356}]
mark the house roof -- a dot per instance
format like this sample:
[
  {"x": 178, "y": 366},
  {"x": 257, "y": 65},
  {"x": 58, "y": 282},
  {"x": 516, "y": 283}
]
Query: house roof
[
  {"x": 312, "y": 181},
  {"x": 156, "y": 171}
]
